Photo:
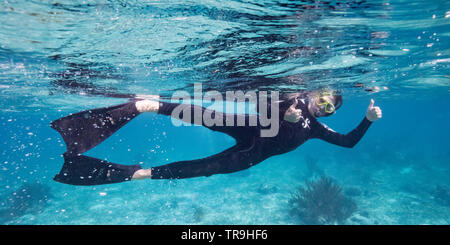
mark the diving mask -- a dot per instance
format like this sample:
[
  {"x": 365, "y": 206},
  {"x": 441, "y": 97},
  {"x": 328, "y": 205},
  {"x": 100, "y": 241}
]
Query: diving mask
[{"x": 325, "y": 104}]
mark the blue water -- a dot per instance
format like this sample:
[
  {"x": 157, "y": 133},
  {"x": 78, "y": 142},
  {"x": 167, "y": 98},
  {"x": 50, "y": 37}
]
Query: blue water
[{"x": 60, "y": 57}]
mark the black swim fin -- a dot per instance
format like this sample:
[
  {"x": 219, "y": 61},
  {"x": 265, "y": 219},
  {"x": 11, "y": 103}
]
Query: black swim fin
[
  {"x": 84, "y": 130},
  {"x": 84, "y": 170}
]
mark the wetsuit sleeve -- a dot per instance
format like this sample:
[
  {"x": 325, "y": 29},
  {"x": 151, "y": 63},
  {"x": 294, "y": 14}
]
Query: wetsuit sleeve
[{"x": 348, "y": 140}]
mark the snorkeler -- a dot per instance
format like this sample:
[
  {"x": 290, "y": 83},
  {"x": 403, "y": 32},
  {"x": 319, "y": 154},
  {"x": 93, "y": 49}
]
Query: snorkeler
[{"x": 298, "y": 123}]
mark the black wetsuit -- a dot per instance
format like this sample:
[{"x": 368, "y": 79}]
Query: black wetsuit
[{"x": 249, "y": 150}]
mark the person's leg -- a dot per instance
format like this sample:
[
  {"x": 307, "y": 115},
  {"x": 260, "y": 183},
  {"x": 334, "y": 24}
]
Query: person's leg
[
  {"x": 235, "y": 130},
  {"x": 234, "y": 159},
  {"x": 84, "y": 130}
]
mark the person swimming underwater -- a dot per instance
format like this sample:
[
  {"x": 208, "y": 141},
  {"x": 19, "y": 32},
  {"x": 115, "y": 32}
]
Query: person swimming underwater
[{"x": 298, "y": 123}]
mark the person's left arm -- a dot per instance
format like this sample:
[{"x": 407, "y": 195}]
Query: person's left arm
[{"x": 353, "y": 137}]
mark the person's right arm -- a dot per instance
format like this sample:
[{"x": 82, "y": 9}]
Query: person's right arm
[
  {"x": 353, "y": 137},
  {"x": 348, "y": 140}
]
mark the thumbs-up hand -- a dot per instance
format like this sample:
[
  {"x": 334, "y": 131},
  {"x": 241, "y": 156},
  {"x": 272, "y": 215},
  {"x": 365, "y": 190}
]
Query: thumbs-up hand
[
  {"x": 292, "y": 114},
  {"x": 373, "y": 112}
]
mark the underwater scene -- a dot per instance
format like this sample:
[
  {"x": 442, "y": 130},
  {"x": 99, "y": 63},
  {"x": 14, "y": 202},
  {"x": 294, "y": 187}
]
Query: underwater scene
[{"x": 60, "y": 57}]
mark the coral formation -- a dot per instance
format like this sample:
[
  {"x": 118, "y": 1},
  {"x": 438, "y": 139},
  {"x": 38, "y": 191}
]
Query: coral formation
[{"x": 321, "y": 202}]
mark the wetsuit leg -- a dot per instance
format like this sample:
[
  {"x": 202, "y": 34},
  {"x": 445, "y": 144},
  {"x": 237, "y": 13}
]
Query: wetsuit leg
[
  {"x": 237, "y": 132},
  {"x": 236, "y": 158}
]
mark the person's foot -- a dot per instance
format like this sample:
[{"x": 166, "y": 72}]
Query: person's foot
[
  {"x": 142, "y": 174},
  {"x": 147, "y": 106}
]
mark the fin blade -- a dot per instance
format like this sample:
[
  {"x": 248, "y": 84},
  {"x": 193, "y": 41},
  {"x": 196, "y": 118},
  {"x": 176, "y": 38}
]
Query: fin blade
[
  {"x": 84, "y": 170},
  {"x": 86, "y": 129}
]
